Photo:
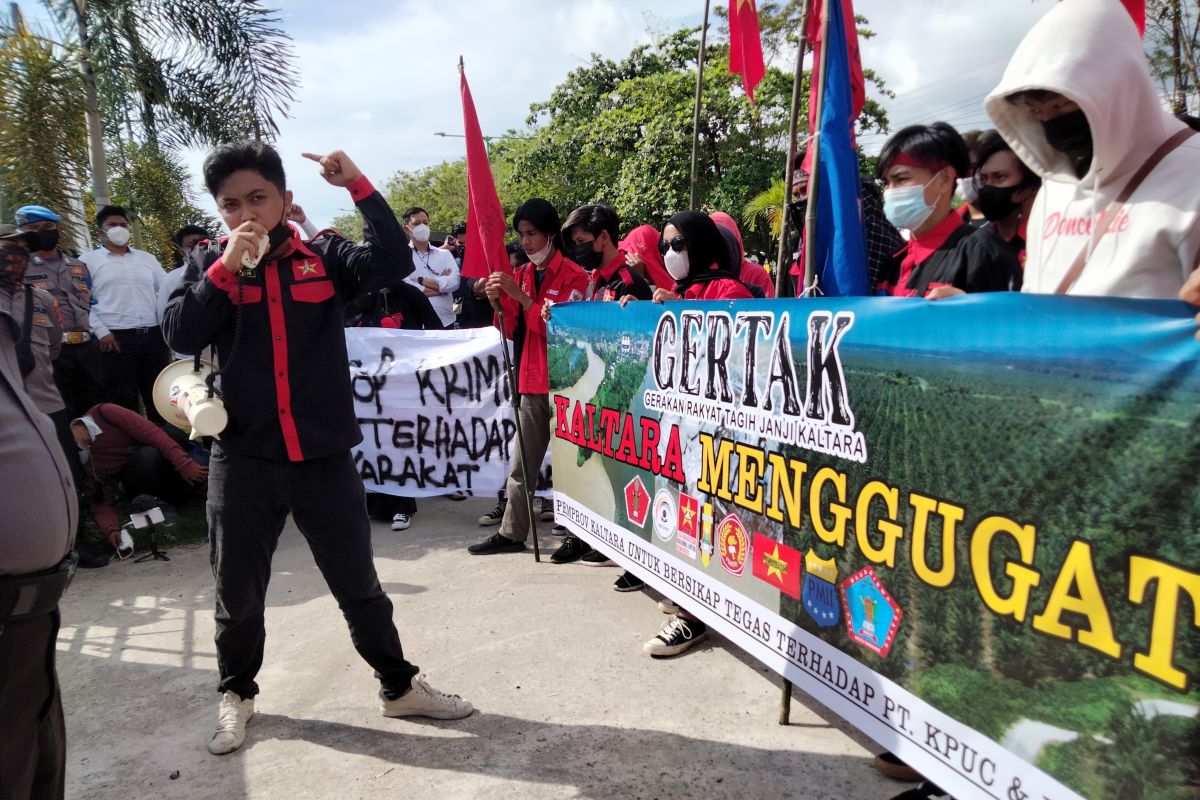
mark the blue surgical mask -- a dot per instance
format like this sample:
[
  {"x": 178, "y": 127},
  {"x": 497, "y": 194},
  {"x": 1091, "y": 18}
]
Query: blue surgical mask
[{"x": 905, "y": 206}]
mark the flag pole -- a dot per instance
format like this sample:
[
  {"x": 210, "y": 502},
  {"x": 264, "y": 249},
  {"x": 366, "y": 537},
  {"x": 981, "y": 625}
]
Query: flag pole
[
  {"x": 810, "y": 214},
  {"x": 699, "y": 99},
  {"x": 781, "y": 275},
  {"x": 510, "y": 373}
]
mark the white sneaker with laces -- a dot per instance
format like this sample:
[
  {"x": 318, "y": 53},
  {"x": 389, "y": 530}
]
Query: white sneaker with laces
[
  {"x": 422, "y": 700},
  {"x": 235, "y": 713},
  {"x": 401, "y": 522},
  {"x": 677, "y": 636}
]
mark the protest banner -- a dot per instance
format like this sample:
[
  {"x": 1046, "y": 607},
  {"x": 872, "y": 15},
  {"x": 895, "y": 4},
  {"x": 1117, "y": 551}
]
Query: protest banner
[
  {"x": 434, "y": 410},
  {"x": 967, "y": 527}
]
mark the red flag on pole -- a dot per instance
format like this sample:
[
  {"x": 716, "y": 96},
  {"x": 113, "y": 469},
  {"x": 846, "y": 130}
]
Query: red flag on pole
[
  {"x": 1137, "y": 10},
  {"x": 858, "y": 84},
  {"x": 484, "y": 251},
  {"x": 745, "y": 45}
]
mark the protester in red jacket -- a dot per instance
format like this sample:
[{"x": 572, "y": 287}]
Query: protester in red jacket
[
  {"x": 750, "y": 273},
  {"x": 120, "y": 446},
  {"x": 696, "y": 257},
  {"x": 549, "y": 278},
  {"x": 641, "y": 245}
]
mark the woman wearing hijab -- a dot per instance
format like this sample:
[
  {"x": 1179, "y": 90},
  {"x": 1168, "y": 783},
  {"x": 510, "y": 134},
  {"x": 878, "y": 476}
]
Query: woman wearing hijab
[
  {"x": 752, "y": 274},
  {"x": 696, "y": 257},
  {"x": 643, "y": 256}
]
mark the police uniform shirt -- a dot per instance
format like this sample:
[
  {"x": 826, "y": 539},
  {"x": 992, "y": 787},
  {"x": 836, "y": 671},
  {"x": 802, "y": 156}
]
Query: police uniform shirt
[
  {"x": 126, "y": 290},
  {"x": 46, "y": 337},
  {"x": 36, "y": 490},
  {"x": 69, "y": 282}
]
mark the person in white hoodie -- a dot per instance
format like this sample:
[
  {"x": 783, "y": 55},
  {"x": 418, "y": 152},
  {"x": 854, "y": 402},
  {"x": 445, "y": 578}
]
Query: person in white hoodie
[{"x": 1078, "y": 106}]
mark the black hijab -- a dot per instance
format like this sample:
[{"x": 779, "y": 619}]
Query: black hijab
[{"x": 708, "y": 255}]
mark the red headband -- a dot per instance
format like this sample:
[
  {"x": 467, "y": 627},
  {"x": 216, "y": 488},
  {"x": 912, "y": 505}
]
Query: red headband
[{"x": 906, "y": 160}]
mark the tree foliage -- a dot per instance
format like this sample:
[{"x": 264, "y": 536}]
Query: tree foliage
[
  {"x": 43, "y": 141},
  {"x": 1172, "y": 46}
]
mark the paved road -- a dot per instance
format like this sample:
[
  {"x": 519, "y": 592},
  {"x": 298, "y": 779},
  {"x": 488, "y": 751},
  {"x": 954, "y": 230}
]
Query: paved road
[{"x": 569, "y": 705}]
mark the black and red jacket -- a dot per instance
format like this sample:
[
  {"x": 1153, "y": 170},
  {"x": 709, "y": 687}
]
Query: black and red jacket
[
  {"x": 615, "y": 280},
  {"x": 287, "y": 385}
]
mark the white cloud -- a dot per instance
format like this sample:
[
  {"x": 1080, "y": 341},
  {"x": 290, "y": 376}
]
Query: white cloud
[{"x": 379, "y": 89}]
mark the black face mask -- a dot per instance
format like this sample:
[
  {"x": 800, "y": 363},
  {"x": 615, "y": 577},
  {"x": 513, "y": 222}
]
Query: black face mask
[
  {"x": 1069, "y": 133},
  {"x": 47, "y": 240},
  {"x": 277, "y": 236},
  {"x": 996, "y": 202},
  {"x": 586, "y": 257}
]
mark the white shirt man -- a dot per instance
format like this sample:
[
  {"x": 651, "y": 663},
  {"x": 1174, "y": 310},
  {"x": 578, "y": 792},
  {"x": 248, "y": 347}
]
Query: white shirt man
[
  {"x": 435, "y": 270},
  {"x": 125, "y": 283}
]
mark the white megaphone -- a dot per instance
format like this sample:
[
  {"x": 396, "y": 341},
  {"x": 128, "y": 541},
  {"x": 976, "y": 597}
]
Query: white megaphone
[{"x": 181, "y": 397}]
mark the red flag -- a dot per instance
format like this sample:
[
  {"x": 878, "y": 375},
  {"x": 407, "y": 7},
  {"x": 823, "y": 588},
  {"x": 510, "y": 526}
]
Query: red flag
[
  {"x": 858, "y": 85},
  {"x": 484, "y": 251},
  {"x": 745, "y": 45},
  {"x": 1137, "y": 10}
]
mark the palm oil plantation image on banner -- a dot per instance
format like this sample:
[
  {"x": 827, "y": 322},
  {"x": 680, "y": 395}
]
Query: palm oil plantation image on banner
[{"x": 989, "y": 505}]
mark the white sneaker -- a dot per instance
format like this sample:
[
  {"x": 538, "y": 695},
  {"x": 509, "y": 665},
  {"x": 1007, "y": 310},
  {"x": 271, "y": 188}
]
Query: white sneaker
[
  {"x": 400, "y": 522},
  {"x": 422, "y": 700},
  {"x": 677, "y": 636},
  {"x": 231, "y": 725}
]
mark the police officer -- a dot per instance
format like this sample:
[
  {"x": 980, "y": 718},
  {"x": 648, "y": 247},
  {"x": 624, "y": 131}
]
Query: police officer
[
  {"x": 36, "y": 535},
  {"x": 77, "y": 369}
]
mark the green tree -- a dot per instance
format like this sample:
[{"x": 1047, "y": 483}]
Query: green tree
[
  {"x": 1172, "y": 46},
  {"x": 43, "y": 142}
]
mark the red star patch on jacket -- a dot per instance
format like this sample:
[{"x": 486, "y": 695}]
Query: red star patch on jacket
[{"x": 303, "y": 269}]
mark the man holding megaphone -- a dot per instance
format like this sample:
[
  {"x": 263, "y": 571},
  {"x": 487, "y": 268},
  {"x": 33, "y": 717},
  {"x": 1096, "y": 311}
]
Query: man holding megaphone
[{"x": 270, "y": 303}]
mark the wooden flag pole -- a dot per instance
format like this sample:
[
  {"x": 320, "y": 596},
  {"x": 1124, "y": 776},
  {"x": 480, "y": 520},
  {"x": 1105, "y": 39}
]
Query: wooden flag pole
[
  {"x": 699, "y": 102},
  {"x": 810, "y": 215},
  {"x": 782, "y": 267}
]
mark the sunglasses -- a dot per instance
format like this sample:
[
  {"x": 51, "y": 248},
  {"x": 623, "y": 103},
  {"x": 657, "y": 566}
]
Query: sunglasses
[{"x": 678, "y": 244}]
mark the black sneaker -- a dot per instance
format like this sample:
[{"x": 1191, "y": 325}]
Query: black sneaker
[
  {"x": 572, "y": 549},
  {"x": 496, "y": 544},
  {"x": 546, "y": 511},
  {"x": 597, "y": 559},
  {"x": 560, "y": 531},
  {"x": 676, "y": 637},
  {"x": 494, "y": 516},
  {"x": 628, "y": 583},
  {"x": 459, "y": 495}
]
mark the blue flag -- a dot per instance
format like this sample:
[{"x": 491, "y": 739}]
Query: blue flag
[{"x": 840, "y": 251}]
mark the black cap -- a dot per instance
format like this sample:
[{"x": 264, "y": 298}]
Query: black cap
[{"x": 12, "y": 233}]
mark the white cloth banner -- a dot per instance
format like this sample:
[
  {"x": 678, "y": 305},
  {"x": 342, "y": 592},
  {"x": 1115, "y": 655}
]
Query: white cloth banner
[{"x": 434, "y": 411}]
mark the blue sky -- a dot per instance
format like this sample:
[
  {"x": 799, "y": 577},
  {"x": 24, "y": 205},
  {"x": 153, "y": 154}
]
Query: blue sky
[{"x": 379, "y": 79}]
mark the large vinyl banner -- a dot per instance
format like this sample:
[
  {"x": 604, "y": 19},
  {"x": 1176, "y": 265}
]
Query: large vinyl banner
[{"x": 969, "y": 527}]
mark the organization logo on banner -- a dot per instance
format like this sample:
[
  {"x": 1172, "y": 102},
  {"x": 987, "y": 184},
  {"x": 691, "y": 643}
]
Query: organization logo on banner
[
  {"x": 777, "y": 564},
  {"x": 637, "y": 502},
  {"x": 820, "y": 596},
  {"x": 735, "y": 545},
  {"x": 664, "y": 515},
  {"x": 689, "y": 515},
  {"x": 872, "y": 616},
  {"x": 706, "y": 534}
]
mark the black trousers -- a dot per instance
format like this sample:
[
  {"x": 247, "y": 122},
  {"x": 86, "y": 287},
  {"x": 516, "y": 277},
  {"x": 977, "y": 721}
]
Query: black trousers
[
  {"x": 129, "y": 374},
  {"x": 248, "y": 503},
  {"x": 33, "y": 741},
  {"x": 78, "y": 376}
]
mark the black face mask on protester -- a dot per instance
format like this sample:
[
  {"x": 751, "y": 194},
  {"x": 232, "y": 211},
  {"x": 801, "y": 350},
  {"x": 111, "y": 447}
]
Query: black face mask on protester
[
  {"x": 47, "y": 240},
  {"x": 278, "y": 235},
  {"x": 996, "y": 202},
  {"x": 587, "y": 257},
  {"x": 1069, "y": 133}
]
